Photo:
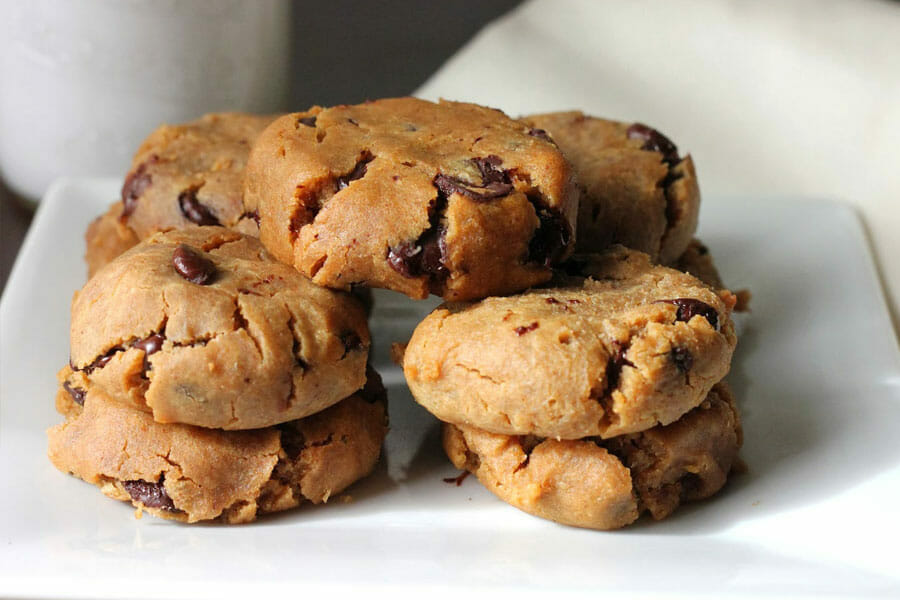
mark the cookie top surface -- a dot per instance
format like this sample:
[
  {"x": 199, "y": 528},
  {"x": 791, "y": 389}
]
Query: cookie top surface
[
  {"x": 607, "y": 484},
  {"x": 189, "y": 473},
  {"x": 631, "y": 346},
  {"x": 636, "y": 190},
  {"x": 202, "y": 326},
  {"x": 190, "y": 174},
  {"x": 447, "y": 198}
]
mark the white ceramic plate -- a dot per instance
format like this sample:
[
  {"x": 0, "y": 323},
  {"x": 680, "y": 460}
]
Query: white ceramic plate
[{"x": 817, "y": 374}]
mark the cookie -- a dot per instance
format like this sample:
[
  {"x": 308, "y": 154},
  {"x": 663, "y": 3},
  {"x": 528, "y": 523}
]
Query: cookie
[
  {"x": 697, "y": 261},
  {"x": 452, "y": 199},
  {"x": 190, "y": 175},
  {"x": 202, "y": 326},
  {"x": 636, "y": 190},
  {"x": 106, "y": 238},
  {"x": 622, "y": 347},
  {"x": 190, "y": 474},
  {"x": 606, "y": 483}
]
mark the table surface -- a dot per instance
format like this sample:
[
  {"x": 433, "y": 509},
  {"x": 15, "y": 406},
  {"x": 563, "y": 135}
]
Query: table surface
[{"x": 365, "y": 63}]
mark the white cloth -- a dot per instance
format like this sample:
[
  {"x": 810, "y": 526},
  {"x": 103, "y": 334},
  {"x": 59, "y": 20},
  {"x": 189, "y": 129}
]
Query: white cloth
[{"x": 771, "y": 98}]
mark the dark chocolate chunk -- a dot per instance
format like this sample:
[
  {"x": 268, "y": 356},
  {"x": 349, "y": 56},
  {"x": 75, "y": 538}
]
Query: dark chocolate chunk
[
  {"x": 458, "y": 479},
  {"x": 252, "y": 215},
  {"x": 690, "y": 307},
  {"x": 540, "y": 133},
  {"x": 102, "y": 361},
  {"x": 526, "y": 328},
  {"x": 449, "y": 185},
  {"x": 374, "y": 390},
  {"x": 487, "y": 166},
  {"x": 151, "y": 495},
  {"x": 195, "y": 211},
  {"x": 683, "y": 359},
  {"x": 614, "y": 365},
  {"x": 550, "y": 239},
  {"x": 136, "y": 183},
  {"x": 76, "y": 393},
  {"x": 292, "y": 440},
  {"x": 358, "y": 171},
  {"x": 308, "y": 121},
  {"x": 654, "y": 141},
  {"x": 150, "y": 344},
  {"x": 192, "y": 265}
]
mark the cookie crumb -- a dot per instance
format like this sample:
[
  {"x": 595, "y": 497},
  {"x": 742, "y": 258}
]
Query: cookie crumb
[
  {"x": 138, "y": 513},
  {"x": 398, "y": 349},
  {"x": 743, "y": 300}
]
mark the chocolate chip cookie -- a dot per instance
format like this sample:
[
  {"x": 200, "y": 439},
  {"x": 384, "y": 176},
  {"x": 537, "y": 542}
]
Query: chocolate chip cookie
[
  {"x": 636, "y": 190},
  {"x": 106, "y": 238},
  {"x": 617, "y": 346},
  {"x": 606, "y": 483},
  {"x": 201, "y": 326},
  {"x": 190, "y": 174},
  {"x": 452, "y": 199},
  {"x": 190, "y": 474}
]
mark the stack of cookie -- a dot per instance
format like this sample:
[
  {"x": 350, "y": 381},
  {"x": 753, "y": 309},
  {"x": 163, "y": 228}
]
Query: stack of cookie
[
  {"x": 596, "y": 396},
  {"x": 206, "y": 379},
  {"x": 577, "y": 378}
]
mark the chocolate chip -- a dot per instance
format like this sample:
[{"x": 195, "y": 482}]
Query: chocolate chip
[
  {"x": 428, "y": 254},
  {"x": 682, "y": 358},
  {"x": 150, "y": 344},
  {"x": 654, "y": 141},
  {"x": 251, "y": 215},
  {"x": 690, "y": 307},
  {"x": 551, "y": 238},
  {"x": 76, "y": 393},
  {"x": 102, "y": 361},
  {"x": 358, "y": 171},
  {"x": 702, "y": 250},
  {"x": 193, "y": 210},
  {"x": 308, "y": 121},
  {"x": 614, "y": 365},
  {"x": 526, "y": 328},
  {"x": 136, "y": 183},
  {"x": 448, "y": 185},
  {"x": 151, "y": 495},
  {"x": 487, "y": 166},
  {"x": 540, "y": 133},
  {"x": 193, "y": 266},
  {"x": 292, "y": 440},
  {"x": 374, "y": 390},
  {"x": 552, "y": 301},
  {"x": 458, "y": 479}
]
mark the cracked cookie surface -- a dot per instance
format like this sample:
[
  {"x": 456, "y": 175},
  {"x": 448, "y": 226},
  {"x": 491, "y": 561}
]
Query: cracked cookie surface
[
  {"x": 190, "y": 474},
  {"x": 618, "y": 348},
  {"x": 606, "y": 483},
  {"x": 202, "y": 326},
  {"x": 452, "y": 199},
  {"x": 636, "y": 190},
  {"x": 190, "y": 175}
]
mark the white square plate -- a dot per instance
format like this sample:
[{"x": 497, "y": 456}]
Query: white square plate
[{"x": 817, "y": 374}]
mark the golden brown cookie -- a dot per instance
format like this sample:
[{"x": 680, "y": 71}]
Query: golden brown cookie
[
  {"x": 636, "y": 190},
  {"x": 606, "y": 483},
  {"x": 190, "y": 474},
  {"x": 622, "y": 347},
  {"x": 202, "y": 326},
  {"x": 190, "y": 174},
  {"x": 452, "y": 199},
  {"x": 106, "y": 238}
]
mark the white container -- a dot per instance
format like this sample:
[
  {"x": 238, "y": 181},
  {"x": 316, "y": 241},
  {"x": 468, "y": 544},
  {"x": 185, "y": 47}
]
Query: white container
[{"x": 82, "y": 82}]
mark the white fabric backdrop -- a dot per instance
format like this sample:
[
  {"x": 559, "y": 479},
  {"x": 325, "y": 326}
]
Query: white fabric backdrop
[{"x": 798, "y": 99}]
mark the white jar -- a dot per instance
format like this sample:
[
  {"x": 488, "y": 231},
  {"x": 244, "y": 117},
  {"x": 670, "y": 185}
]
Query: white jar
[{"x": 82, "y": 82}]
